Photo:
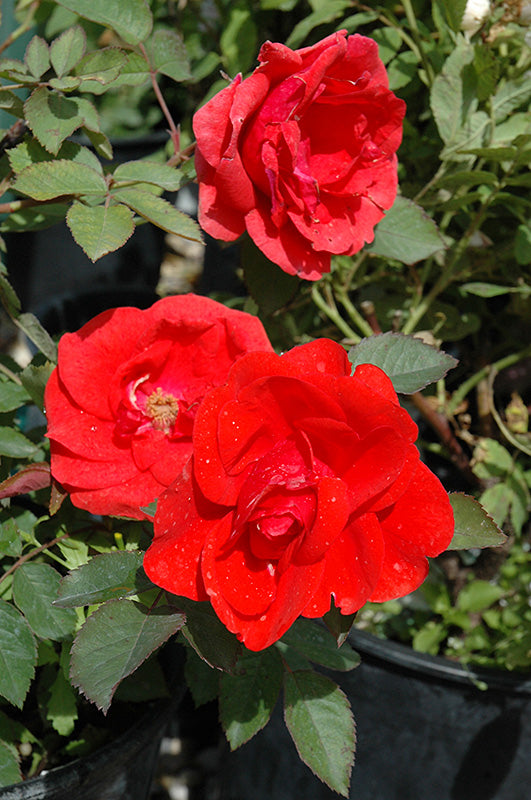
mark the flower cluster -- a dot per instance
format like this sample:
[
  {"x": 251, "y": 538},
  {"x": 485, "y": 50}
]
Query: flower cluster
[{"x": 284, "y": 482}]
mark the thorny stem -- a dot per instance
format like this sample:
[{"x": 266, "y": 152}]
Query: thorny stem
[
  {"x": 441, "y": 426},
  {"x": 31, "y": 554},
  {"x": 17, "y": 205},
  {"x": 174, "y": 130}
]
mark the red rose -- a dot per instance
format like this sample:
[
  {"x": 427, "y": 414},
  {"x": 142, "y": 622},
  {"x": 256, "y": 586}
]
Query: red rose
[
  {"x": 301, "y": 153},
  {"x": 122, "y": 400},
  {"x": 305, "y": 485}
]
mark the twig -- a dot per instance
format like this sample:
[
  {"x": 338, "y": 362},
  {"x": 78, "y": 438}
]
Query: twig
[
  {"x": 441, "y": 426},
  {"x": 32, "y": 553}
]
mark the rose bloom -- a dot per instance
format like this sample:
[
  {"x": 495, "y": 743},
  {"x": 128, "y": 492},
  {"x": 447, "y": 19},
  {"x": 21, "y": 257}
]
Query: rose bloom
[
  {"x": 122, "y": 400},
  {"x": 305, "y": 486},
  {"x": 301, "y": 153}
]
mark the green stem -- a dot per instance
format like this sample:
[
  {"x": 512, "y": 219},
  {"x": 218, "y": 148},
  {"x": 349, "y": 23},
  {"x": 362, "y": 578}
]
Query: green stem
[
  {"x": 466, "y": 387},
  {"x": 11, "y": 375},
  {"x": 25, "y": 26},
  {"x": 354, "y": 314},
  {"x": 412, "y": 20},
  {"x": 333, "y": 314}
]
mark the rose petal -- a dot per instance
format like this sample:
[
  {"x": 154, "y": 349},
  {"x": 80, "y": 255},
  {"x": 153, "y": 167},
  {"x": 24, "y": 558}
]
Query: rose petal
[
  {"x": 420, "y": 524},
  {"x": 351, "y": 568}
]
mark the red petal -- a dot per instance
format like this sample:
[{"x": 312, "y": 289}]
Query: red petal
[
  {"x": 352, "y": 568},
  {"x": 420, "y": 524},
  {"x": 182, "y": 523},
  {"x": 330, "y": 519}
]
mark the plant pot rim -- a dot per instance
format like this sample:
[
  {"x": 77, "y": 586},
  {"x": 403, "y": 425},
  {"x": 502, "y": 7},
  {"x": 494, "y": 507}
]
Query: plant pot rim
[{"x": 372, "y": 649}]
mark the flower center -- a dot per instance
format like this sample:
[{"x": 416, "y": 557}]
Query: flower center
[{"x": 163, "y": 409}]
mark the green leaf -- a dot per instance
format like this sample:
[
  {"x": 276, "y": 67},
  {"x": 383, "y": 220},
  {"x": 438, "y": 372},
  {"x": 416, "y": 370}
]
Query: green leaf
[
  {"x": 167, "y": 54},
  {"x": 99, "y": 230},
  {"x": 478, "y": 595},
  {"x": 238, "y": 40},
  {"x": 389, "y": 42},
  {"x": 30, "y": 151},
  {"x": 132, "y": 20},
  {"x": 52, "y": 117},
  {"x": 50, "y": 179},
  {"x": 67, "y": 50},
  {"x": 449, "y": 100},
  {"x": 38, "y": 335},
  {"x": 18, "y": 655},
  {"x": 61, "y": 707},
  {"x": 468, "y": 178},
  {"x": 34, "y": 378},
  {"x": 402, "y": 70},
  {"x": 9, "y": 768},
  {"x": 453, "y": 11},
  {"x": 8, "y": 296},
  {"x": 11, "y": 103},
  {"x": 134, "y": 72},
  {"x": 146, "y": 683},
  {"x": 510, "y": 96},
  {"x": 99, "y": 142},
  {"x": 473, "y": 526},
  {"x": 37, "y": 58},
  {"x": 10, "y": 539},
  {"x": 247, "y": 699},
  {"x": 104, "y": 577},
  {"x": 159, "y": 212},
  {"x": 35, "y": 588},
  {"x": 320, "y": 721},
  {"x": 29, "y": 479},
  {"x": 67, "y": 84},
  {"x": 12, "y": 396},
  {"x": 330, "y": 11},
  {"x": 114, "y": 641},
  {"x": 408, "y": 362},
  {"x": 14, "y": 444},
  {"x": 270, "y": 287},
  {"x": 209, "y": 637},
  {"x": 496, "y": 500},
  {"x": 201, "y": 679},
  {"x": 318, "y": 645},
  {"x": 428, "y": 638},
  {"x": 99, "y": 68},
  {"x": 161, "y": 175},
  {"x": 481, "y": 289},
  {"x": 338, "y": 624},
  {"x": 406, "y": 234},
  {"x": 486, "y": 66}
]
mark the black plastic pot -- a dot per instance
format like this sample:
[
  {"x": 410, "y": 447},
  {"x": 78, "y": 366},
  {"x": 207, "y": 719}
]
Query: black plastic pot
[
  {"x": 121, "y": 770},
  {"x": 425, "y": 732}
]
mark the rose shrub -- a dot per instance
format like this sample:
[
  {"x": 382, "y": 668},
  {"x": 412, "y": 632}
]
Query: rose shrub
[
  {"x": 301, "y": 153},
  {"x": 304, "y": 486},
  {"x": 121, "y": 402}
]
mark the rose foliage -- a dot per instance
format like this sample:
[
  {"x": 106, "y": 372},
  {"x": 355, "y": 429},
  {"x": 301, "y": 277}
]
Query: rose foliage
[
  {"x": 302, "y": 153},
  {"x": 304, "y": 486},
  {"x": 121, "y": 402}
]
